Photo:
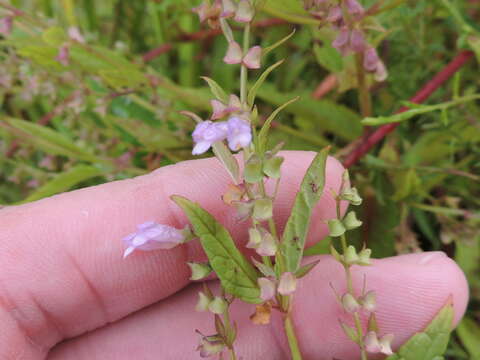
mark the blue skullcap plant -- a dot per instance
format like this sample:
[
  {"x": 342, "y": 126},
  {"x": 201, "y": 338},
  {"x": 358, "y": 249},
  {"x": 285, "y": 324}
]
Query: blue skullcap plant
[{"x": 269, "y": 281}]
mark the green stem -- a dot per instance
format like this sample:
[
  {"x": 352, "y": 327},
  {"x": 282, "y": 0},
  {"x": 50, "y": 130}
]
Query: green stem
[
  {"x": 244, "y": 70},
  {"x": 364, "y": 98},
  {"x": 348, "y": 274},
  {"x": 292, "y": 338},
  {"x": 228, "y": 330}
]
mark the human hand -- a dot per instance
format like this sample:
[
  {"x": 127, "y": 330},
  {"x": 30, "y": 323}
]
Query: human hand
[{"x": 66, "y": 293}]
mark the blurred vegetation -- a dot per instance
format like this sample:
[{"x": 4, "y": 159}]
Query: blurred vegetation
[{"x": 113, "y": 113}]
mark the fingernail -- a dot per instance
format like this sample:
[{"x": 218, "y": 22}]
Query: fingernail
[{"x": 430, "y": 258}]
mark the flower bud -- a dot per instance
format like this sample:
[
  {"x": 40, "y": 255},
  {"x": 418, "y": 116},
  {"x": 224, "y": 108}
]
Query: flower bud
[
  {"x": 268, "y": 245},
  {"x": 254, "y": 238},
  {"x": 245, "y": 12},
  {"x": 228, "y": 8},
  {"x": 336, "y": 228},
  {"x": 218, "y": 305},
  {"x": 262, "y": 209},
  {"x": 368, "y": 301},
  {"x": 374, "y": 345},
  {"x": 364, "y": 257},
  {"x": 253, "y": 57},
  {"x": 351, "y": 195},
  {"x": 287, "y": 284},
  {"x": 267, "y": 288},
  {"x": 234, "y": 54},
  {"x": 350, "y": 257},
  {"x": 349, "y": 303},
  {"x": 351, "y": 222},
  {"x": 199, "y": 271},
  {"x": 203, "y": 302}
]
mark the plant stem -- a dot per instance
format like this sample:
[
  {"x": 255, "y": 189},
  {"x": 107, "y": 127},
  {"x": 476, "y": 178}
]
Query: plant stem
[
  {"x": 292, "y": 338},
  {"x": 244, "y": 70},
  {"x": 370, "y": 140},
  {"x": 364, "y": 98}
]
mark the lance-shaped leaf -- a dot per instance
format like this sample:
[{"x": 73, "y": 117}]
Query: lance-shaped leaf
[
  {"x": 296, "y": 230},
  {"x": 237, "y": 275},
  {"x": 216, "y": 89},
  {"x": 65, "y": 181},
  {"x": 431, "y": 343},
  {"x": 253, "y": 91},
  {"x": 226, "y": 157}
]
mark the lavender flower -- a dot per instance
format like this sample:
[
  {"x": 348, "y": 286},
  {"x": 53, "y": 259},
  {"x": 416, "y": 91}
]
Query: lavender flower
[
  {"x": 6, "y": 25},
  {"x": 349, "y": 40},
  {"x": 63, "y": 56},
  {"x": 239, "y": 133},
  {"x": 206, "y": 134},
  {"x": 373, "y": 64},
  {"x": 153, "y": 236}
]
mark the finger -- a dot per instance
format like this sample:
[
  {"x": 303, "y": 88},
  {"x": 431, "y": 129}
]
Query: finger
[
  {"x": 410, "y": 289},
  {"x": 72, "y": 277}
]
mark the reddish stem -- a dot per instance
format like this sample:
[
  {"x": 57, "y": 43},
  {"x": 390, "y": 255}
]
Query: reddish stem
[{"x": 370, "y": 140}]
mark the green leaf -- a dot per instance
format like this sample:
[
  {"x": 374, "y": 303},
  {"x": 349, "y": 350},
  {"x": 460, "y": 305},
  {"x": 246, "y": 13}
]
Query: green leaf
[
  {"x": 305, "y": 269},
  {"x": 262, "y": 135},
  {"x": 237, "y": 275},
  {"x": 290, "y": 10},
  {"x": 296, "y": 229},
  {"x": 432, "y": 342},
  {"x": 216, "y": 90},
  {"x": 272, "y": 47},
  {"x": 225, "y": 156},
  {"x": 317, "y": 115},
  {"x": 49, "y": 140},
  {"x": 65, "y": 181},
  {"x": 328, "y": 57},
  {"x": 469, "y": 333},
  {"x": 54, "y": 36},
  {"x": 253, "y": 91},
  {"x": 418, "y": 110}
]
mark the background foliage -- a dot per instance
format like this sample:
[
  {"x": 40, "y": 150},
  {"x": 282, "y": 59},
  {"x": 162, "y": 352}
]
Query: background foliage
[{"x": 114, "y": 112}]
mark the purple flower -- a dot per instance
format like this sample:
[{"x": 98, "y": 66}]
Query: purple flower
[
  {"x": 63, "y": 56},
  {"x": 153, "y": 236},
  {"x": 373, "y": 64},
  {"x": 206, "y": 134},
  {"x": 6, "y": 25},
  {"x": 354, "y": 7},
  {"x": 349, "y": 40},
  {"x": 239, "y": 133}
]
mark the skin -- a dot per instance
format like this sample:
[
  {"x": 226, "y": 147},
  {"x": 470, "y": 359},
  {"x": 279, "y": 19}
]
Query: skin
[{"x": 66, "y": 293}]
